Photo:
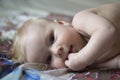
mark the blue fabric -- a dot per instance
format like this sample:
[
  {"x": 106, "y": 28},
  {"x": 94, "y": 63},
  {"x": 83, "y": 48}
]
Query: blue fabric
[
  {"x": 5, "y": 66},
  {"x": 32, "y": 75},
  {"x": 21, "y": 73},
  {"x": 8, "y": 72}
]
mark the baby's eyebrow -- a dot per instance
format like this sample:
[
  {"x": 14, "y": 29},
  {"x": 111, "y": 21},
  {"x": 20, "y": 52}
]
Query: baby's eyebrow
[{"x": 46, "y": 37}]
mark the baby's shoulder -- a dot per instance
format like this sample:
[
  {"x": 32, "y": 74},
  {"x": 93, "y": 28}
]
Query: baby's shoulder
[
  {"x": 91, "y": 19},
  {"x": 110, "y": 12}
]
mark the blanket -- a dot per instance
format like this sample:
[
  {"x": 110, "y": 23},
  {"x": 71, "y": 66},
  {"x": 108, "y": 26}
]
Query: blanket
[{"x": 10, "y": 70}]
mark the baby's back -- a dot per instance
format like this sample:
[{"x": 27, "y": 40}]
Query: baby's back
[{"x": 111, "y": 12}]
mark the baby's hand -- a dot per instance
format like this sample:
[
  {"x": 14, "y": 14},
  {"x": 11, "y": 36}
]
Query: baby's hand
[{"x": 74, "y": 62}]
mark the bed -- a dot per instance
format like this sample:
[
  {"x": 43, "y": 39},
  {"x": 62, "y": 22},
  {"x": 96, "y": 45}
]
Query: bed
[{"x": 10, "y": 70}]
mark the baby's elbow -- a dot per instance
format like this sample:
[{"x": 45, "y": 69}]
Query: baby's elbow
[{"x": 111, "y": 30}]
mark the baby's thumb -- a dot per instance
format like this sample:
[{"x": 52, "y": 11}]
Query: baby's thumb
[
  {"x": 70, "y": 65},
  {"x": 67, "y": 63}
]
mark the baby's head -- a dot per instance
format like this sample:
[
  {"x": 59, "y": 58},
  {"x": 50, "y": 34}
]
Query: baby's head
[{"x": 44, "y": 41}]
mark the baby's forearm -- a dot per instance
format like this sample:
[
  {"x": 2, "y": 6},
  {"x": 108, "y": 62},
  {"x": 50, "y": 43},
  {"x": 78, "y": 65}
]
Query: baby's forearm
[
  {"x": 111, "y": 64},
  {"x": 99, "y": 43},
  {"x": 102, "y": 37}
]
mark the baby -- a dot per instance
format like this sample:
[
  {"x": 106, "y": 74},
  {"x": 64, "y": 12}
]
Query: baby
[{"x": 91, "y": 40}]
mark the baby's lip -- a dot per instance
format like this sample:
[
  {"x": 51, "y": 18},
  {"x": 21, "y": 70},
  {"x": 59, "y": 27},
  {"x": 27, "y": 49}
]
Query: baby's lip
[{"x": 70, "y": 49}]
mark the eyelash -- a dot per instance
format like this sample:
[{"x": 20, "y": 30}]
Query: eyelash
[
  {"x": 52, "y": 38},
  {"x": 49, "y": 58}
]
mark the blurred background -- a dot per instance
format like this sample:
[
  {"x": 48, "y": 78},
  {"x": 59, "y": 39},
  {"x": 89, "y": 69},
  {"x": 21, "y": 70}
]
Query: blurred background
[
  {"x": 14, "y": 12},
  {"x": 41, "y": 7}
]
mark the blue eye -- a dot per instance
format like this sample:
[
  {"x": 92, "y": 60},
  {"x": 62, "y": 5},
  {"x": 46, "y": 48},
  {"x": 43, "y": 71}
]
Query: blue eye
[{"x": 52, "y": 38}]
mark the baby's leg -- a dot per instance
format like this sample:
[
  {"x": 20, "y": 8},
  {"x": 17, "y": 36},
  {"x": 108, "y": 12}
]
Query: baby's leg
[{"x": 113, "y": 63}]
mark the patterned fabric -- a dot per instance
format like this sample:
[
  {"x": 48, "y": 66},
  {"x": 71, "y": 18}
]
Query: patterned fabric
[
  {"x": 5, "y": 66},
  {"x": 14, "y": 71},
  {"x": 98, "y": 75},
  {"x": 19, "y": 73},
  {"x": 27, "y": 72}
]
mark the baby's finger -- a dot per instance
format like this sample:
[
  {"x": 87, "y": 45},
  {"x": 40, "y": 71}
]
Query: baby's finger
[
  {"x": 68, "y": 64},
  {"x": 71, "y": 55}
]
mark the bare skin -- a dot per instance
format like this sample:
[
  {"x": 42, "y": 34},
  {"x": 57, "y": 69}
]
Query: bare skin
[{"x": 101, "y": 26}]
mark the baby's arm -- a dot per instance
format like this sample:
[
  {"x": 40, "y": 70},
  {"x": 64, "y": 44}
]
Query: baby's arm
[
  {"x": 113, "y": 63},
  {"x": 102, "y": 37}
]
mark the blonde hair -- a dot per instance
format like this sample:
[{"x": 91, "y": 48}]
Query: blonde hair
[{"x": 18, "y": 48}]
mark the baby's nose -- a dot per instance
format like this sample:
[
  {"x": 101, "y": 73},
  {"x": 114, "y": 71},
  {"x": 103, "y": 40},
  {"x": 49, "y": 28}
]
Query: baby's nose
[
  {"x": 59, "y": 51},
  {"x": 62, "y": 50}
]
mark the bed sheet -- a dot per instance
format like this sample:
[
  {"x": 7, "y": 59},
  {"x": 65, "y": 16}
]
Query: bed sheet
[{"x": 9, "y": 70}]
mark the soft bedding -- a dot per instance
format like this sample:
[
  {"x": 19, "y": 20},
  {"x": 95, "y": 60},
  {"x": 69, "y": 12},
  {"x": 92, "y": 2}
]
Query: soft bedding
[{"x": 10, "y": 70}]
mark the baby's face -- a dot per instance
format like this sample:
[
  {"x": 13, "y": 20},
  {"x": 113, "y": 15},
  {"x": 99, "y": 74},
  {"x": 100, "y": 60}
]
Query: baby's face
[{"x": 51, "y": 43}]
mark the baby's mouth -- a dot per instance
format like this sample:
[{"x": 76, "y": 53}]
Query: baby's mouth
[{"x": 70, "y": 51}]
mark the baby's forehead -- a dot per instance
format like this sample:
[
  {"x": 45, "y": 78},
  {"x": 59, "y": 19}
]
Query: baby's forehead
[
  {"x": 40, "y": 27},
  {"x": 36, "y": 30},
  {"x": 34, "y": 27},
  {"x": 39, "y": 24}
]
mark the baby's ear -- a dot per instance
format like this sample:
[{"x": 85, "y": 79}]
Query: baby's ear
[{"x": 61, "y": 22}]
